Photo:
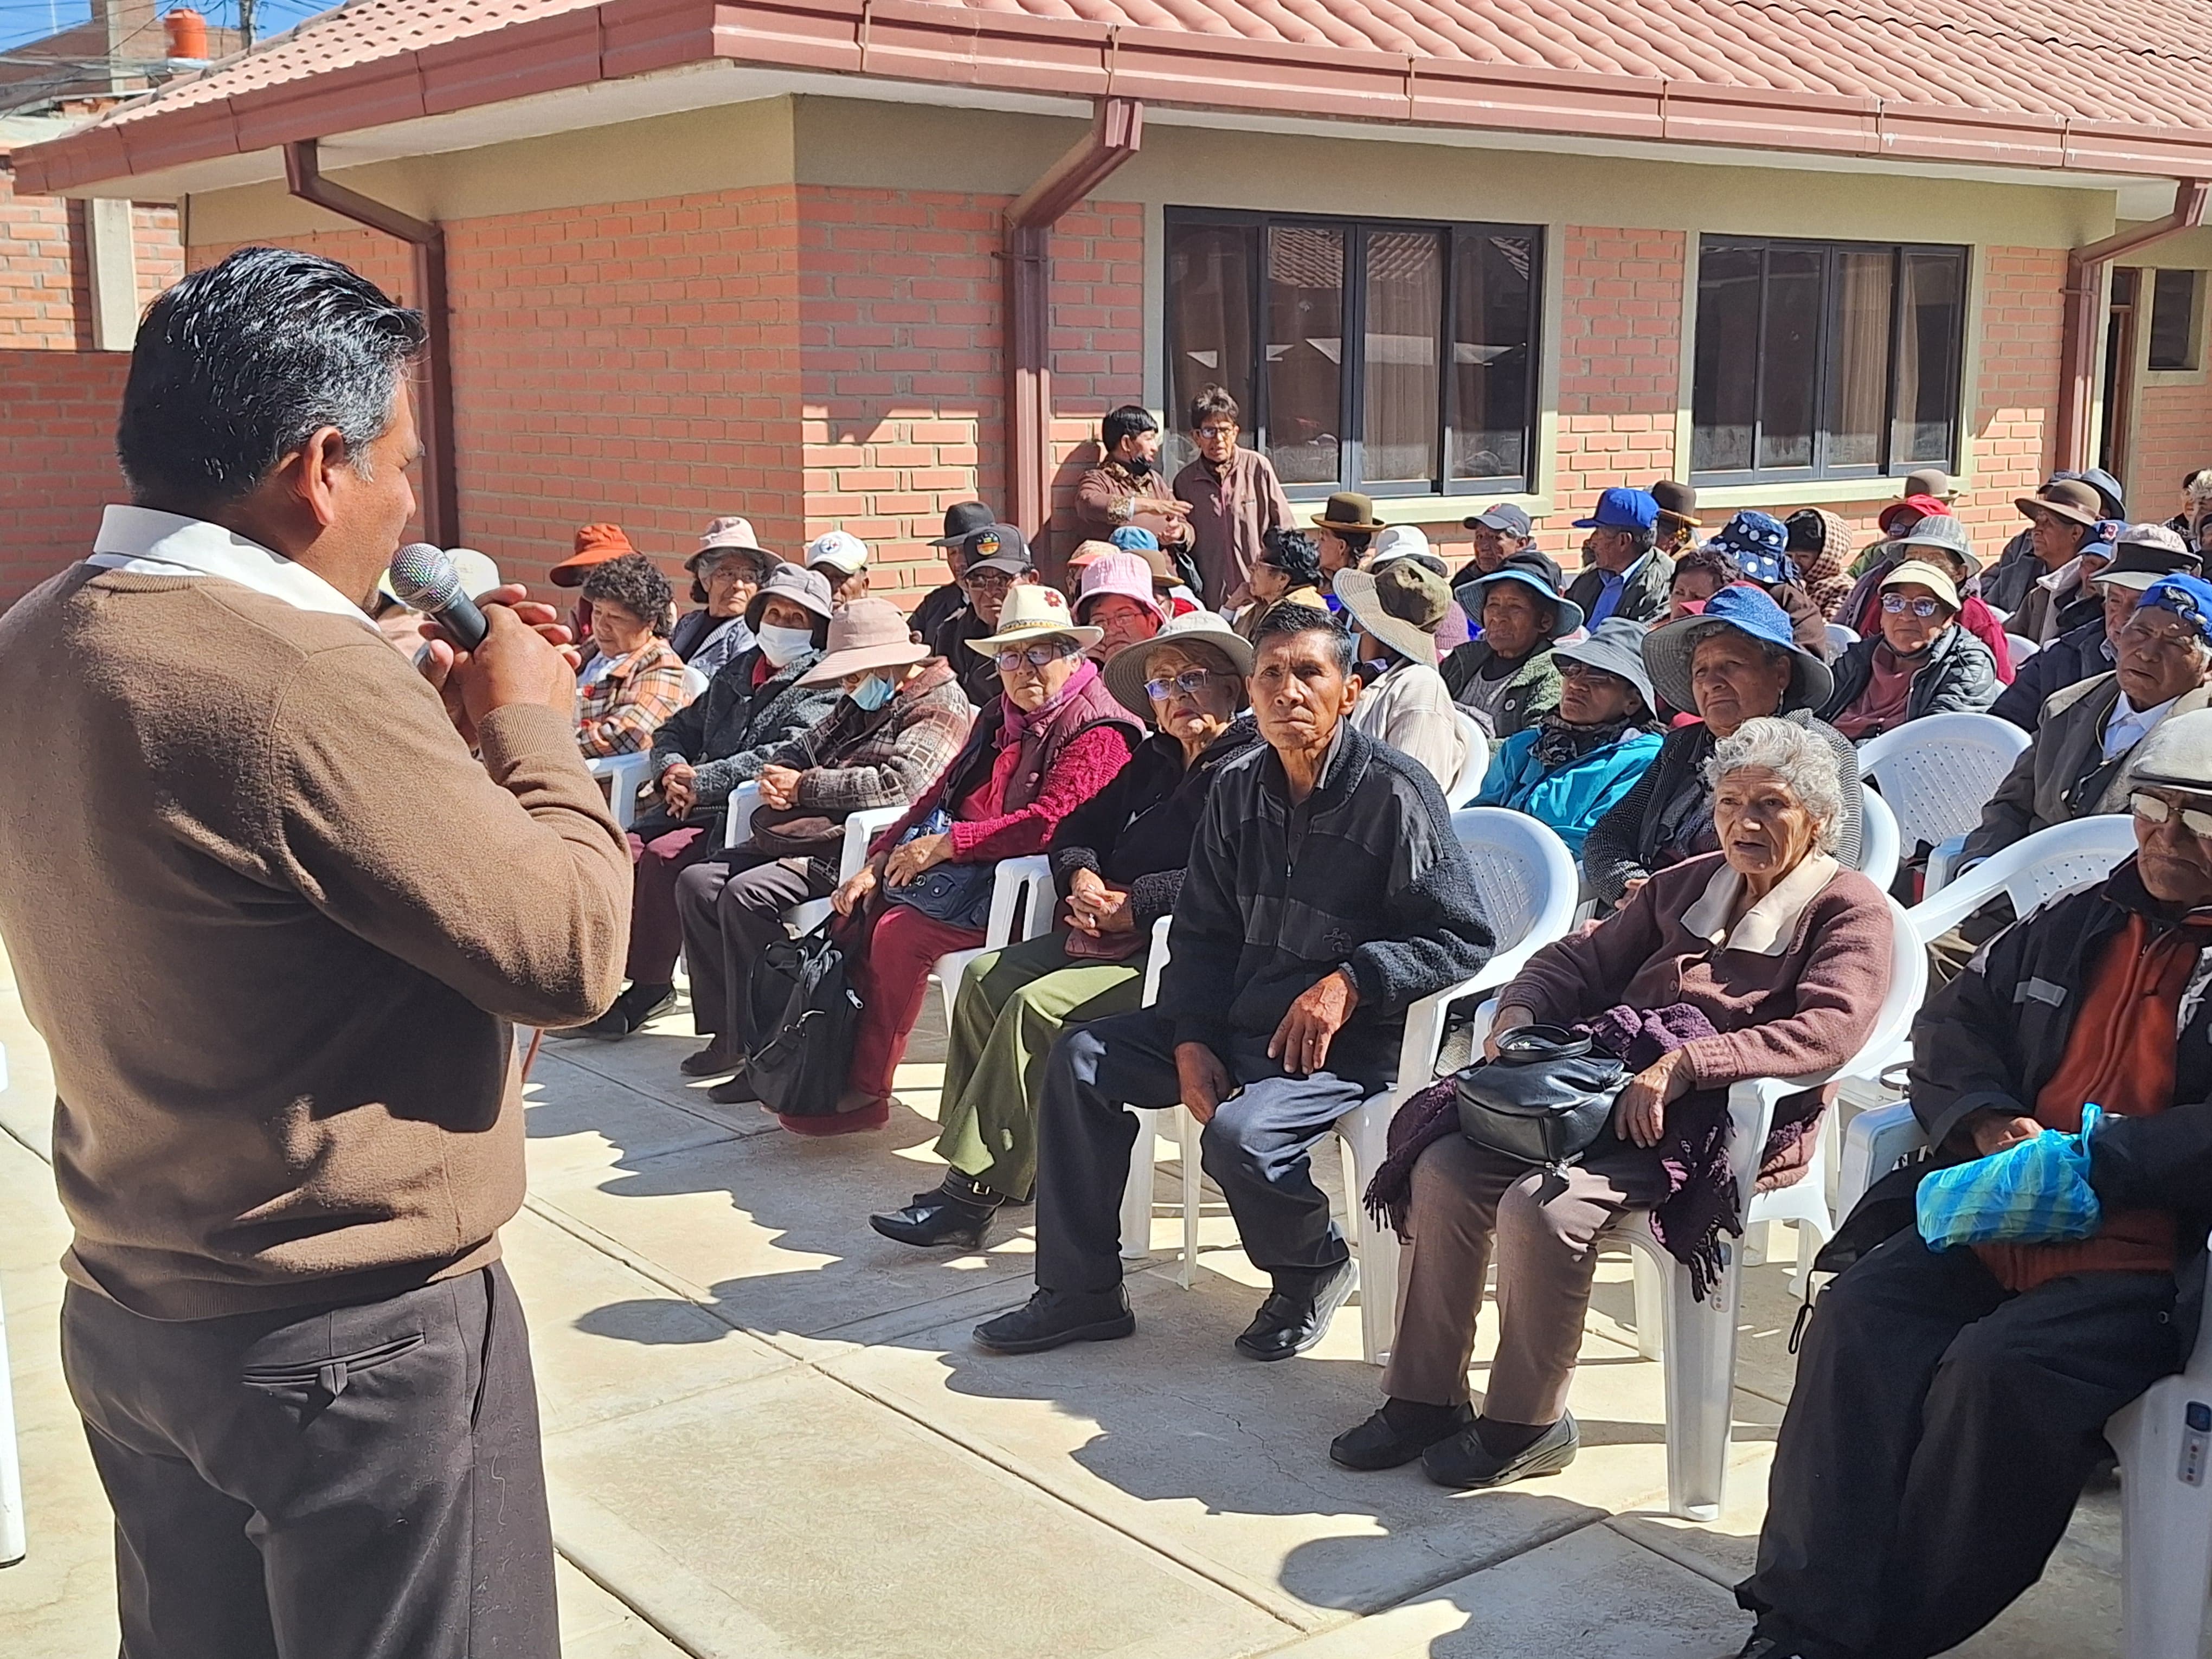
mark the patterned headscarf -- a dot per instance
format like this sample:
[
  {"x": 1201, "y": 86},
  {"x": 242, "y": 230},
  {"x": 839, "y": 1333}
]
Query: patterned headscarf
[{"x": 1821, "y": 542}]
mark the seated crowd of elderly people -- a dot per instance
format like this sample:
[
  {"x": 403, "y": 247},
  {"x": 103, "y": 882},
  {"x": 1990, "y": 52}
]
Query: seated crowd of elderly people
[{"x": 1275, "y": 780}]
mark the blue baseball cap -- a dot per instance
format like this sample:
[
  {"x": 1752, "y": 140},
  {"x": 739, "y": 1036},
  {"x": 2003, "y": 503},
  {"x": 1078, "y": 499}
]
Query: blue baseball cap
[
  {"x": 1623, "y": 509},
  {"x": 1135, "y": 538},
  {"x": 1758, "y": 543},
  {"x": 2189, "y": 597}
]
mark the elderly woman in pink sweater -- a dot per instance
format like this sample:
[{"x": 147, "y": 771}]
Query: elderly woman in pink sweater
[{"x": 1767, "y": 958}]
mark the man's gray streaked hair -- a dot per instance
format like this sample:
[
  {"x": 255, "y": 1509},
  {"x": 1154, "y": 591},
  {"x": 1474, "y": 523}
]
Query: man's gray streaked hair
[{"x": 1805, "y": 765}]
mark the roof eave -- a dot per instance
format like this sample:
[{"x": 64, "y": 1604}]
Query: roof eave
[{"x": 1008, "y": 52}]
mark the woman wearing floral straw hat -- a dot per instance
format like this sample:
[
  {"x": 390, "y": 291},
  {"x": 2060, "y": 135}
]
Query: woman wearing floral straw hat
[{"x": 1052, "y": 739}]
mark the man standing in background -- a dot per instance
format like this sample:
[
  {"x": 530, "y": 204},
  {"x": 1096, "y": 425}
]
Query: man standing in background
[
  {"x": 1235, "y": 500},
  {"x": 273, "y": 920}
]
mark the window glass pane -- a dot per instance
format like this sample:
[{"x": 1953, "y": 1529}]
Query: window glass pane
[
  {"x": 2173, "y": 318},
  {"x": 1858, "y": 357},
  {"x": 1789, "y": 343},
  {"x": 1209, "y": 320},
  {"x": 1304, "y": 318},
  {"x": 1405, "y": 310},
  {"x": 1928, "y": 336},
  {"x": 1724, "y": 401},
  {"x": 1493, "y": 324}
]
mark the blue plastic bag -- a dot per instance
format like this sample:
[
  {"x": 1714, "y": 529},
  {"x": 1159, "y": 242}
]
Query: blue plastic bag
[{"x": 2035, "y": 1192}]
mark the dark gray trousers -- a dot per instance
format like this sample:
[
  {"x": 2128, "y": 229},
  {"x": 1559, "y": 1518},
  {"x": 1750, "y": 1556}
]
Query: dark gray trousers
[
  {"x": 1939, "y": 1432},
  {"x": 1257, "y": 1147},
  {"x": 730, "y": 908},
  {"x": 342, "y": 1483}
]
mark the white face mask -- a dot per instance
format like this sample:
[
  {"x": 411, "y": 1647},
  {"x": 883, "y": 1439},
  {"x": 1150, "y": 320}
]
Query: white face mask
[{"x": 781, "y": 645}]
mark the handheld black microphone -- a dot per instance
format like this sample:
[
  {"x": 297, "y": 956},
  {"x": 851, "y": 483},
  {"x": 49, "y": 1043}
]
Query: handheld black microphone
[{"x": 423, "y": 576}]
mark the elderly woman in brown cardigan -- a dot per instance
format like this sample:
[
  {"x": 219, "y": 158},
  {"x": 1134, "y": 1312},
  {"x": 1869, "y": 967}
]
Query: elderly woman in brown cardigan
[{"x": 1766, "y": 959}]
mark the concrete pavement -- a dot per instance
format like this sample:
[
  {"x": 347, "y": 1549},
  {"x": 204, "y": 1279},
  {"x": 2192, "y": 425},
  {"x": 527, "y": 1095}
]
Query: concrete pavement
[{"x": 768, "y": 1437}]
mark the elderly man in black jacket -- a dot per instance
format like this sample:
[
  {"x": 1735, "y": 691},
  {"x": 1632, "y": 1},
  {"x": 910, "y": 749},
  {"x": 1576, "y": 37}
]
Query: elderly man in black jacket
[
  {"x": 1326, "y": 893},
  {"x": 1950, "y": 1404}
]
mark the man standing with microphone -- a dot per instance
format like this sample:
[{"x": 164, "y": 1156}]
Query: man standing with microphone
[{"x": 273, "y": 920}]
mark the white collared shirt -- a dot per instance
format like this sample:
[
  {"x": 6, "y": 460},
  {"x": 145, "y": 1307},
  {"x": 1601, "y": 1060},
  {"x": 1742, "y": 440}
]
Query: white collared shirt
[
  {"x": 145, "y": 542},
  {"x": 2127, "y": 726}
]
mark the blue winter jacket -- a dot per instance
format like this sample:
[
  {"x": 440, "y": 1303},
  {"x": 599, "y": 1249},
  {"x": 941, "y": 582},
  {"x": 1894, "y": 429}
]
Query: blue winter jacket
[{"x": 1577, "y": 795}]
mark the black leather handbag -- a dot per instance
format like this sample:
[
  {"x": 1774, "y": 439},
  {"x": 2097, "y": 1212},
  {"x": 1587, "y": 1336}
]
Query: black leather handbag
[{"x": 1544, "y": 1099}]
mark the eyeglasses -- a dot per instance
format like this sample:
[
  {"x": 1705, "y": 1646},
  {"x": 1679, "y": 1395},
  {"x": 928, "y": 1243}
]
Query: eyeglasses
[
  {"x": 1897, "y": 605},
  {"x": 1571, "y": 669},
  {"x": 2156, "y": 809},
  {"x": 1037, "y": 656},
  {"x": 989, "y": 581},
  {"x": 1190, "y": 683},
  {"x": 1229, "y": 431}
]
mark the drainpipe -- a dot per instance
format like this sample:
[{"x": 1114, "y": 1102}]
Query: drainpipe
[
  {"x": 303, "y": 176},
  {"x": 1117, "y": 131},
  {"x": 2084, "y": 274}
]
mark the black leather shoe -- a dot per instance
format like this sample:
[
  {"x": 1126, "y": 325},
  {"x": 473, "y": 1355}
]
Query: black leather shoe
[
  {"x": 632, "y": 1009},
  {"x": 957, "y": 1212},
  {"x": 1765, "y": 1647},
  {"x": 1293, "y": 1319},
  {"x": 1464, "y": 1462},
  {"x": 1376, "y": 1445},
  {"x": 1051, "y": 1319},
  {"x": 713, "y": 1061},
  {"x": 738, "y": 1091}
]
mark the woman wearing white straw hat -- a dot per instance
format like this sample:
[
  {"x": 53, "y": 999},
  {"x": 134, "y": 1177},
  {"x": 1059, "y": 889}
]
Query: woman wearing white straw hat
[
  {"x": 1053, "y": 738},
  {"x": 1118, "y": 860},
  {"x": 1397, "y": 610}
]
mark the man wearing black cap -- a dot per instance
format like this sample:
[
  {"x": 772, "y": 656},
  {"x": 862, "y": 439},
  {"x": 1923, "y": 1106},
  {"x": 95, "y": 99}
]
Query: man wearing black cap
[
  {"x": 992, "y": 560},
  {"x": 962, "y": 520},
  {"x": 1499, "y": 533},
  {"x": 2142, "y": 555}
]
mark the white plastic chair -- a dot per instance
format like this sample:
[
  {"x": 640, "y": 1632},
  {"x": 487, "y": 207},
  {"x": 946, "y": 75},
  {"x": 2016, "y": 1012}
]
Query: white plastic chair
[
  {"x": 1938, "y": 772},
  {"x": 694, "y": 682},
  {"x": 1841, "y": 639},
  {"x": 2047, "y": 863},
  {"x": 1136, "y": 1191},
  {"x": 1468, "y": 784},
  {"x": 1698, "y": 1348},
  {"x": 2162, "y": 1440},
  {"x": 1022, "y": 900},
  {"x": 861, "y": 828},
  {"x": 622, "y": 777},
  {"x": 1878, "y": 840},
  {"x": 2020, "y": 648}
]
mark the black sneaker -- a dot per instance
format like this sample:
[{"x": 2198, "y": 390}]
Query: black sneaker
[
  {"x": 738, "y": 1091},
  {"x": 1464, "y": 1462},
  {"x": 1380, "y": 1443},
  {"x": 717, "y": 1058},
  {"x": 1051, "y": 1319},
  {"x": 1296, "y": 1314},
  {"x": 632, "y": 1009}
]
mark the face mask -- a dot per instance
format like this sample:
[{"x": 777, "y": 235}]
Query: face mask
[
  {"x": 1139, "y": 465},
  {"x": 873, "y": 693},
  {"x": 781, "y": 645}
]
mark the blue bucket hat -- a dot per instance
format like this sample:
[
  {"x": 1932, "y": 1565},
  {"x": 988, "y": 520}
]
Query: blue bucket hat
[
  {"x": 1668, "y": 648},
  {"x": 2189, "y": 597},
  {"x": 1758, "y": 545},
  {"x": 1623, "y": 509},
  {"x": 1135, "y": 538},
  {"x": 1535, "y": 572}
]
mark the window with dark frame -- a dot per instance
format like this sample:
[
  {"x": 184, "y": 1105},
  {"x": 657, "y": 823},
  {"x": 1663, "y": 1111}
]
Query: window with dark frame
[
  {"x": 1825, "y": 359},
  {"x": 2174, "y": 305},
  {"x": 1434, "y": 393}
]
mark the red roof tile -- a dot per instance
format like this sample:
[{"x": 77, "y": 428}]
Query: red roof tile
[{"x": 1867, "y": 75}]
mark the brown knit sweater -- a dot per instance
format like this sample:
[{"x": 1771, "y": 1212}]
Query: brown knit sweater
[{"x": 272, "y": 920}]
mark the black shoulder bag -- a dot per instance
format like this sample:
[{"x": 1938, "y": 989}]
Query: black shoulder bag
[{"x": 1544, "y": 1099}]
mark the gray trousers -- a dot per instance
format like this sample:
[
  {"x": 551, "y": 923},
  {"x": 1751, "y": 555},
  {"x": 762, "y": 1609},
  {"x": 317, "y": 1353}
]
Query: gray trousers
[
  {"x": 1257, "y": 1147},
  {"x": 337, "y": 1483},
  {"x": 729, "y": 909},
  {"x": 1544, "y": 1228}
]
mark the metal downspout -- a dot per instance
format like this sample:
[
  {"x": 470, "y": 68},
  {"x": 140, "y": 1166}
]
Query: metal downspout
[
  {"x": 303, "y": 176},
  {"x": 1116, "y": 132},
  {"x": 2085, "y": 269}
]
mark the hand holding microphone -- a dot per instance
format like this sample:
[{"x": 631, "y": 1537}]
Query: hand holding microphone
[{"x": 487, "y": 653}]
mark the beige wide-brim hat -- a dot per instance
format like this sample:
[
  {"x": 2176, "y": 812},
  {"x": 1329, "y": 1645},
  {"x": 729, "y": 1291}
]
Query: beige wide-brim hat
[
  {"x": 1033, "y": 612},
  {"x": 1918, "y": 573},
  {"x": 866, "y": 633},
  {"x": 1127, "y": 674},
  {"x": 1358, "y": 590}
]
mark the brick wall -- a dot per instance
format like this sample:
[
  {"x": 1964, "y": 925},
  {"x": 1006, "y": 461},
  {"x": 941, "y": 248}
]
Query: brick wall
[
  {"x": 56, "y": 459},
  {"x": 42, "y": 286},
  {"x": 2173, "y": 438}
]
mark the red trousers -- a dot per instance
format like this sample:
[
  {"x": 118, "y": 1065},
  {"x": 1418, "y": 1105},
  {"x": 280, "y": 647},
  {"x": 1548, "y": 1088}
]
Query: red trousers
[
  {"x": 656, "y": 932},
  {"x": 893, "y": 978}
]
